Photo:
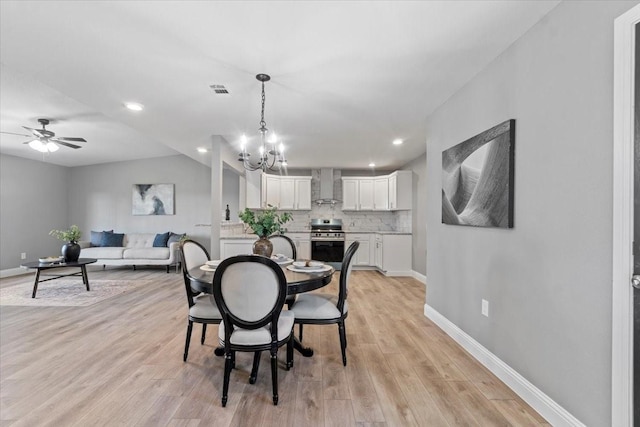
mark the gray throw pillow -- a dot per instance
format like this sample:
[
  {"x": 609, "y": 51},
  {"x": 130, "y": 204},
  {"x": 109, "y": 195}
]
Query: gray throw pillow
[
  {"x": 173, "y": 237},
  {"x": 96, "y": 237}
]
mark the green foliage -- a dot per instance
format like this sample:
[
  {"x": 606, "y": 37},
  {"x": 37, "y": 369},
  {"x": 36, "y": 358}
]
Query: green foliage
[
  {"x": 72, "y": 235},
  {"x": 265, "y": 223}
]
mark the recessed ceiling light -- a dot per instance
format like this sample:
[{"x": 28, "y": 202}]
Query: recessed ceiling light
[
  {"x": 397, "y": 141},
  {"x": 134, "y": 106},
  {"x": 202, "y": 150},
  {"x": 372, "y": 165}
]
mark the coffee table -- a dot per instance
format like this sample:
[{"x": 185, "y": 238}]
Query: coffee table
[{"x": 41, "y": 266}]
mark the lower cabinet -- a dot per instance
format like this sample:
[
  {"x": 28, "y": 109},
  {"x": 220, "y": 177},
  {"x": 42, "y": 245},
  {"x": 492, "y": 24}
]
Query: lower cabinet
[
  {"x": 303, "y": 244},
  {"x": 362, "y": 256},
  {"x": 233, "y": 247},
  {"x": 393, "y": 254}
]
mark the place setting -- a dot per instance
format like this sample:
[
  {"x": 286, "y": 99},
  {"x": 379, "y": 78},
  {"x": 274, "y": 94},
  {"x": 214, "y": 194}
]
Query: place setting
[
  {"x": 210, "y": 265},
  {"x": 281, "y": 259},
  {"x": 308, "y": 266}
]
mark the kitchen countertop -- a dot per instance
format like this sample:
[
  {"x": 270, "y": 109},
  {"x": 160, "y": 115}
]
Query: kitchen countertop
[{"x": 255, "y": 237}]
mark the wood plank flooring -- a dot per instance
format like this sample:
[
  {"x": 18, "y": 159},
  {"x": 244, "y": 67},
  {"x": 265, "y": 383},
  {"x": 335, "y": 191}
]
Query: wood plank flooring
[{"x": 119, "y": 362}]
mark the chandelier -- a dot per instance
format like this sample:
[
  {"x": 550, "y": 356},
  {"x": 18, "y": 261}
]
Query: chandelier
[{"x": 269, "y": 156}]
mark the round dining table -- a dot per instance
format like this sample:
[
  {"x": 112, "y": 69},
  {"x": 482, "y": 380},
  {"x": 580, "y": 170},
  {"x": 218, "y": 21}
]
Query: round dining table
[{"x": 297, "y": 282}]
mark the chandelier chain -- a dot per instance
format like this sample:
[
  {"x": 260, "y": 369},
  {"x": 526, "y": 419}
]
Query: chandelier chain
[{"x": 263, "y": 124}]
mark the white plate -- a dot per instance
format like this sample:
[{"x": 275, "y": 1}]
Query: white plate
[
  {"x": 281, "y": 260},
  {"x": 207, "y": 268},
  {"x": 308, "y": 269},
  {"x": 213, "y": 263},
  {"x": 308, "y": 265}
]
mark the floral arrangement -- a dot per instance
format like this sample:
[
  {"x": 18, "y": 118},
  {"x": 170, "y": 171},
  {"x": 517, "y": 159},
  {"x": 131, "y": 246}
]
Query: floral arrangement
[
  {"x": 72, "y": 235},
  {"x": 265, "y": 223}
]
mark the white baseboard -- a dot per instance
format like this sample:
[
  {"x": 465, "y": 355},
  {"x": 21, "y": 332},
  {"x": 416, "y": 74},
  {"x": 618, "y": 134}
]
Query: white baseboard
[
  {"x": 10, "y": 272},
  {"x": 555, "y": 414},
  {"x": 419, "y": 277}
]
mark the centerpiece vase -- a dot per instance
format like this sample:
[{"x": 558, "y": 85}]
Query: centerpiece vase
[
  {"x": 71, "y": 252},
  {"x": 263, "y": 246}
]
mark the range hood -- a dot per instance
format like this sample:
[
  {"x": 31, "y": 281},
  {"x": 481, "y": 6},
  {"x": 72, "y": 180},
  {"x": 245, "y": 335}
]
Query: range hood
[{"x": 326, "y": 188}]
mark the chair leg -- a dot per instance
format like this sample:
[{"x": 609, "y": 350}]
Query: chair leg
[
  {"x": 227, "y": 373},
  {"x": 233, "y": 360},
  {"x": 274, "y": 374},
  {"x": 256, "y": 365},
  {"x": 186, "y": 344},
  {"x": 204, "y": 332},
  {"x": 290, "y": 352},
  {"x": 343, "y": 342},
  {"x": 300, "y": 332}
]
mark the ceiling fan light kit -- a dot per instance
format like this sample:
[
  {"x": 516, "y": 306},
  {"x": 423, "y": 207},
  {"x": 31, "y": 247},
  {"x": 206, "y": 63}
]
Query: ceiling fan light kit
[
  {"x": 270, "y": 157},
  {"x": 46, "y": 141}
]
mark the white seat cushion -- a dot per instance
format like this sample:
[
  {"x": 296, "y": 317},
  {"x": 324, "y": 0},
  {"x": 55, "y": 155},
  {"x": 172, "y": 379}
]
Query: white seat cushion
[
  {"x": 102, "y": 252},
  {"x": 261, "y": 335},
  {"x": 204, "y": 308},
  {"x": 317, "y": 306},
  {"x": 146, "y": 253}
]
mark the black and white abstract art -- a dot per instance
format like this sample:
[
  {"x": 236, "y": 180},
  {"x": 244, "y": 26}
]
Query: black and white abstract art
[
  {"x": 477, "y": 179},
  {"x": 152, "y": 199}
]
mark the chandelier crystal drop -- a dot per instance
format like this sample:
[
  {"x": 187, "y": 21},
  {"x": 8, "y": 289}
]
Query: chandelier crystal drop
[{"x": 270, "y": 154}]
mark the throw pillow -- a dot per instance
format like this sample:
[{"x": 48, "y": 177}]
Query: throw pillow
[
  {"x": 161, "y": 240},
  {"x": 173, "y": 237},
  {"x": 96, "y": 237},
  {"x": 113, "y": 240}
]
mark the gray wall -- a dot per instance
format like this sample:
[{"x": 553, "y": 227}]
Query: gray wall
[
  {"x": 33, "y": 201},
  {"x": 100, "y": 196},
  {"x": 548, "y": 280},
  {"x": 231, "y": 193},
  {"x": 419, "y": 213}
]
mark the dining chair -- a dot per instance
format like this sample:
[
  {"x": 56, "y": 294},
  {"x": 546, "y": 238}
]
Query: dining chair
[
  {"x": 284, "y": 245},
  {"x": 250, "y": 291},
  {"x": 322, "y": 308},
  {"x": 202, "y": 309}
]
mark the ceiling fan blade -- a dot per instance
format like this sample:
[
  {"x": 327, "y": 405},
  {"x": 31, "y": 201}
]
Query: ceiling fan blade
[
  {"x": 64, "y": 138},
  {"x": 36, "y": 132},
  {"x": 19, "y": 134},
  {"x": 66, "y": 144}
]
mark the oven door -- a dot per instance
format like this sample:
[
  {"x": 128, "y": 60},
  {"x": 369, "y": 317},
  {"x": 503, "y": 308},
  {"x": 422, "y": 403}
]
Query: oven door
[{"x": 328, "y": 251}]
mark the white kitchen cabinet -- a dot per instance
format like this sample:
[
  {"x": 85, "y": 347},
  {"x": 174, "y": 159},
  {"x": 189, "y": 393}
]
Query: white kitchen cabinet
[
  {"x": 393, "y": 254},
  {"x": 232, "y": 247},
  {"x": 286, "y": 192},
  {"x": 400, "y": 190},
  {"x": 302, "y": 242},
  {"x": 357, "y": 194},
  {"x": 362, "y": 256},
  {"x": 381, "y": 194}
]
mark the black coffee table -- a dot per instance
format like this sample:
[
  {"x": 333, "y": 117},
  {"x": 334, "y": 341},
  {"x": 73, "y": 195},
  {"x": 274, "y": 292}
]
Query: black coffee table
[{"x": 81, "y": 263}]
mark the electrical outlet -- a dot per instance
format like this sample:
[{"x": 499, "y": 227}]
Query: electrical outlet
[
  {"x": 23, "y": 255},
  {"x": 485, "y": 307}
]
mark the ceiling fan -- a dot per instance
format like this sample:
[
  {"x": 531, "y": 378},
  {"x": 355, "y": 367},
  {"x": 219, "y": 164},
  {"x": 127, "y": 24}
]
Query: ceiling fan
[{"x": 46, "y": 141}]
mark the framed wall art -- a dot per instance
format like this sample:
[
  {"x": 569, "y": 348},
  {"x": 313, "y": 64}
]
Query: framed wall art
[{"x": 152, "y": 199}]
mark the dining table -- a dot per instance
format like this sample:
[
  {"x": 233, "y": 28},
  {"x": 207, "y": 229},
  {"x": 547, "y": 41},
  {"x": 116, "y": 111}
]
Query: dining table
[{"x": 297, "y": 282}]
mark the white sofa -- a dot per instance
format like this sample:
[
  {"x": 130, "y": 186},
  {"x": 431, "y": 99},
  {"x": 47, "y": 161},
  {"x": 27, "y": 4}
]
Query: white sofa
[{"x": 137, "y": 250}]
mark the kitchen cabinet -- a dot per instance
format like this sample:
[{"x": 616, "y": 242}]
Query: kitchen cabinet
[
  {"x": 362, "y": 255},
  {"x": 357, "y": 194},
  {"x": 302, "y": 242},
  {"x": 381, "y": 194},
  {"x": 378, "y": 251},
  {"x": 400, "y": 190},
  {"x": 232, "y": 247},
  {"x": 286, "y": 192},
  {"x": 393, "y": 254}
]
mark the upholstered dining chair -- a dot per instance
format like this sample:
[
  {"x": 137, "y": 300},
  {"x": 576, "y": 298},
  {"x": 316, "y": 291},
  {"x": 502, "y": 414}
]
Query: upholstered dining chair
[
  {"x": 322, "y": 308},
  {"x": 202, "y": 308},
  {"x": 284, "y": 245},
  {"x": 250, "y": 291}
]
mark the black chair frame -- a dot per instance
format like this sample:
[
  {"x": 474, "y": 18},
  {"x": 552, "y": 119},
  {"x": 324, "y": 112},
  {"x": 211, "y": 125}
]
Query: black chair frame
[
  {"x": 342, "y": 297},
  {"x": 231, "y": 321},
  {"x": 290, "y": 298}
]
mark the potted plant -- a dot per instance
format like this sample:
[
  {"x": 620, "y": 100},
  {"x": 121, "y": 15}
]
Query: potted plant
[
  {"x": 71, "y": 249},
  {"x": 264, "y": 224}
]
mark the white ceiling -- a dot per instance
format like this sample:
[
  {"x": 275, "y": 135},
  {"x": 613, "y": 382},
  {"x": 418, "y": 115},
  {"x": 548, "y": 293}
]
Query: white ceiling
[{"x": 347, "y": 77}]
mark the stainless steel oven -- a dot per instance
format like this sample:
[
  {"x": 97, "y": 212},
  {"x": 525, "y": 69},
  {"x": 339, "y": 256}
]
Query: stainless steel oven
[{"x": 327, "y": 241}]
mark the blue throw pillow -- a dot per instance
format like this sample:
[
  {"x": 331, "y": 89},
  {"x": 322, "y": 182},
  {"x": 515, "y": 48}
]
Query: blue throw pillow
[
  {"x": 175, "y": 238},
  {"x": 96, "y": 237},
  {"x": 161, "y": 240},
  {"x": 113, "y": 240}
]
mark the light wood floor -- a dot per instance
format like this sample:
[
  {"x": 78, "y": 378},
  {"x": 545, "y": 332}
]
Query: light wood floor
[{"x": 119, "y": 362}]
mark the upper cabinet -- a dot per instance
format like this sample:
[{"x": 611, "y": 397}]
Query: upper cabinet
[
  {"x": 286, "y": 192},
  {"x": 382, "y": 193}
]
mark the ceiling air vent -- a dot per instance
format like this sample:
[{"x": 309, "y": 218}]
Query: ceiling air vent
[{"x": 219, "y": 89}]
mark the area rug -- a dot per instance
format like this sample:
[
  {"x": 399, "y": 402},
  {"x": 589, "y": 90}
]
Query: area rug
[{"x": 65, "y": 292}]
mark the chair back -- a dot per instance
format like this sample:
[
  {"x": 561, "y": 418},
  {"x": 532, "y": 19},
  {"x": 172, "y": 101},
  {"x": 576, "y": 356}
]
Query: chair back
[
  {"x": 192, "y": 255},
  {"x": 345, "y": 273},
  {"x": 283, "y": 245},
  {"x": 250, "y": 291}
]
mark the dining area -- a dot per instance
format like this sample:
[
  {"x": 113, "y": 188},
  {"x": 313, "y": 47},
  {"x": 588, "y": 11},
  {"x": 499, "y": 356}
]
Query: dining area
[{"x": 255, "y": 301}]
